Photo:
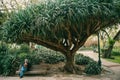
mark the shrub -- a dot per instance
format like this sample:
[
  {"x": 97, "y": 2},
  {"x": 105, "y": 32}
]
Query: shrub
[
  {"x": 11, "y": 59},
  {"x": 82, "y": 60},
  {"x": 52, "y": 58},
  {"x": 93, "y": 68},
  {"x": 35, "y": 58},
  {"x": 8, "y": 62},
  {"x": 116, "y": 51},
  {"x": 22, "y": 56},
  {"x": 24, "y": 48},
  {"x": 10, "y": 65},
  {"x": 3, "y": 53},
  {"x": 25, "y": 53},
  {"x": 111, "y": 41}
]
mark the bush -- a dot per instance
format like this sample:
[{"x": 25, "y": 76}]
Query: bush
[
  {"x": 93, "y": 68},
  {"x": 11, "y": 59},
  {"x": 52, "y": 58},
  {"x": 8, "y": 62},
  {"x": 116, "y": 51},
  {"x": 22, "y": 56},
  {"x": 24, "y": 48},
  {"x": 10, "y": 65},
  {"x": 82, "y": 60},
  {"x": 35, "y": 58},
  {"x": 3, "y": 53}
]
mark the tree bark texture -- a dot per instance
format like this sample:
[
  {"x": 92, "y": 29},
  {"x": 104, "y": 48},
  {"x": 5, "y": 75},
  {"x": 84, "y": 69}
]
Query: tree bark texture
[{"x": 70, "y": 64}]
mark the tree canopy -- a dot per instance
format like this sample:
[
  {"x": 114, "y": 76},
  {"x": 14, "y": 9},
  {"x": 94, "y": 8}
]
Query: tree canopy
[{"x": 66, "y": 23}]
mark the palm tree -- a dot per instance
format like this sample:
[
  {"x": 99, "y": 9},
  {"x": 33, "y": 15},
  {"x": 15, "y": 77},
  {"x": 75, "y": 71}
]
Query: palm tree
[{"x": 62, "y": 25}]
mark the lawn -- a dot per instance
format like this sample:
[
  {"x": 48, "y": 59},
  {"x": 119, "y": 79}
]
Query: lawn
[
  {"x": 116, "y": 59},
  {"x": 115, "y": 55}
]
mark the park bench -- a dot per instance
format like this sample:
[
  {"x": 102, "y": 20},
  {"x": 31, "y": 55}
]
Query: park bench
[{"x": 36, "y": 70}]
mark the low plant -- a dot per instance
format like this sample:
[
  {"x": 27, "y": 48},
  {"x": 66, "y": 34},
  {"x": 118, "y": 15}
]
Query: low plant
[
  {"x": 24, "y": 48},
  {"x": 8, "y": 62},
  {"x": 35, "y": 58},
  {"x": 82, "y": 60},
  {"x": 52, "y": 58},
  {"x": 93, "y": 68},
  {"x": 116, "y": 52},
  {"x": 10, "y": 65}
]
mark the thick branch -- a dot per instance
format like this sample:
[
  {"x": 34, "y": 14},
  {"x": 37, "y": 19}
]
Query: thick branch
[
  {"x": 106, "y": 33},
  {"x": 80, "y": 43},
  {"x": 69, "y": 36},
  {"x": 88, "y": 29},
  {"x": 45, "y": 43},
  {"x": 107, "y": 23},
  {"x": 117, "y": 36}
]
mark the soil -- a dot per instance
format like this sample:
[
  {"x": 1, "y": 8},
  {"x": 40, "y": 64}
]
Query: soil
[{"x": 57, "y": 69}]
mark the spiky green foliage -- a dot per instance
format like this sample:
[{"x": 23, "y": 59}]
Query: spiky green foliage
[
  {"x": 3, "y": 17},
  {"x": 62, "y": 25}
]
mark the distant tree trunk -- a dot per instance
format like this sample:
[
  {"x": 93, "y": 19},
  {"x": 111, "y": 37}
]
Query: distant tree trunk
[{"x": 109, "y": 49}]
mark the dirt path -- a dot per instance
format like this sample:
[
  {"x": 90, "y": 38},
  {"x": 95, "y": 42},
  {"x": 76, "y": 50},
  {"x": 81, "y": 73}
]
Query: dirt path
[
  {"x": 114, "y": 68},
  {"x": 113, "y": 74},
  {"x": 54, "y": 78}
]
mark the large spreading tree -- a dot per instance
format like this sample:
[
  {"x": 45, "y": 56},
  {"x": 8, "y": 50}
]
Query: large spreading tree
[
  {"x": 111, "y": 41},
  {"x": 62, "y": 25}
]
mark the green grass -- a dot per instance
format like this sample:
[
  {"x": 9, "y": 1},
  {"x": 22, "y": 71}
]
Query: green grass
[
  {"x": 115, "y": 55},
  {"x": 116, "y": 59}
]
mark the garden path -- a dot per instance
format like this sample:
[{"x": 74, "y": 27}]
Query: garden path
[{"x": 112, "y": 67}]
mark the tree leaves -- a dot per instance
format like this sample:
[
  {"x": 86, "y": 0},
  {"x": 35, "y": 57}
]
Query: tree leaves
[{"x": 56, "y": 20}]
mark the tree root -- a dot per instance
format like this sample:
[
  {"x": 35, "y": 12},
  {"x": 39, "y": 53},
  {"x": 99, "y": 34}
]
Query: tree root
[{"x": 71, "y": 69}]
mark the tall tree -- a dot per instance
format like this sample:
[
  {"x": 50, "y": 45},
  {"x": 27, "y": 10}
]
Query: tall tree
[
  {"x": 111, "y": 44},
  {"x": 109, "y": 36},
  {"x": 62, "y": 25}
]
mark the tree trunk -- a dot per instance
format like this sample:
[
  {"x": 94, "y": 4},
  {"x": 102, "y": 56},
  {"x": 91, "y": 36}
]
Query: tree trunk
[
  {"x": 70, "y": 65},
  {"x": 109, "y": 50}
]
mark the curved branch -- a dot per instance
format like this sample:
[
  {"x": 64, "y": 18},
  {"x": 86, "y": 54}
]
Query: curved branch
[
  {"x": 48, "y": 44},
  {"x": 106, "y": 33}
]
